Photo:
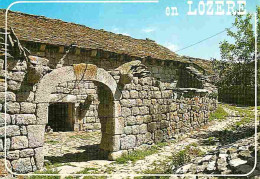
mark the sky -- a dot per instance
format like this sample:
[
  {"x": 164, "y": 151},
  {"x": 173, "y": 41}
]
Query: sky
[{"x": 145, "y": 20}]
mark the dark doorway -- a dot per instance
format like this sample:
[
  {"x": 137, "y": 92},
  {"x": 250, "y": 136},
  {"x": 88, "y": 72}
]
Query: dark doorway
[{"x": 61, "y": 117}]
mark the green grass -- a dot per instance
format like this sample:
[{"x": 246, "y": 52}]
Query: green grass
[
  {"x": 162, "y": 144},
  {"x": 162, "y": 167},
  {"x": 211, "y": 140},
  {"x": 137, "y": 155},
  {"x": 91, "y": 171},
  {"x": 48, "y": 171},
  {"x": 72, "y": 177},
  {"x": 53, "y": 165},
  {"x": 243, "y": 121},
  {"x": 245, "y": 111},
  {"x": 95, "y": 177},
  {"x": 88, "y": 171},
  {"x": 184, "y": 156},
  {"x": 220, "y": 113},
  {"x": 152, "y": 177},
  {"x": 141, "y": 154},
  {"x": 178, "y": 159}
]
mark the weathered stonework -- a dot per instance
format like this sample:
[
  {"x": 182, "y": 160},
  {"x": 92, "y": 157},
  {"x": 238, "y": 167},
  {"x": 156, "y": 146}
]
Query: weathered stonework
[{"x": 133, "y": 100}]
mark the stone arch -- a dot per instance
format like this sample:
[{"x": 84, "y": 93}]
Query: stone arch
[
  {"x": 73, "y": 73},
  {"x": 111, "y": 131}
]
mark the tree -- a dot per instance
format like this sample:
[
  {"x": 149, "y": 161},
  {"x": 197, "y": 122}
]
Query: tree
[
  {"x": 237, "y": 74},
  {"x": 243, "y": 48}
]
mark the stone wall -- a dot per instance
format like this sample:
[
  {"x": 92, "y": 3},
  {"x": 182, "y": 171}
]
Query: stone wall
[
  {"x": 87, "y": 119},
  {"x": 154, "y": 113},
  {"x": 133, "y": 109},
  {"x": 24, "y": 134}
]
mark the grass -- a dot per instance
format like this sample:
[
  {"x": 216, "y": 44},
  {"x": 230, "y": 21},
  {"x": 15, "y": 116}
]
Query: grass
[
  {"x": 110, "y": 169},
  {"x": 220, "y": 113},
  {"x": 245, "y": 111},
  {"x": 141, "y": 154},
  {"x": 91, "y": 171},
  {"x": 178, "y": 159},
  {"x": 185, "y": 155},
  {"x": 48, "y": 171},
  {"x": 88, "y": 171},
  {"x": 163, "y": 167},
  {"x": 162, "y": 144},
  {"x": 137, "y": 155},
  {"x": 95, "y": 177},
  {"x": 71, "y": 177},
  {"x": 243, "y": 121},
  {"x": 211, "y": 141},
  {"x": 152, "y": 177}
]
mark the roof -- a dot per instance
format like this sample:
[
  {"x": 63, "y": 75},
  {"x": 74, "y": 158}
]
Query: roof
[
  {"x": 203, "y": 64},
  {"x": 57, "y": 32}
]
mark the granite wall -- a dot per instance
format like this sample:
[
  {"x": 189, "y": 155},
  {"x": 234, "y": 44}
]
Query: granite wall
[{"x": 134, "y": 101}]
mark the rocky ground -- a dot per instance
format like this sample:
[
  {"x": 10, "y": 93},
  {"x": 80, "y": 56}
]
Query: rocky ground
[
  {"x": 234, "y": 151},
  {"x": 222, "y": 147}
]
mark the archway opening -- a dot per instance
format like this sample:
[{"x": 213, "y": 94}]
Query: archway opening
[{"x": 80, "y": 122}]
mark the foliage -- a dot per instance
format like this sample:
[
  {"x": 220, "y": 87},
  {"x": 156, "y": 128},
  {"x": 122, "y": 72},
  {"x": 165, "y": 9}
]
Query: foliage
[
  {"x": 235, "y": 54},
  {"x": 220, "y": 68},
  {"x": 243, "y": 48},
  {"x": 220, "y": 113},
  {"x": 213, "y": 95}
]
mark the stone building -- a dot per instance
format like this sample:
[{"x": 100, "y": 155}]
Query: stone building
[{"x": 71, "y": 77}]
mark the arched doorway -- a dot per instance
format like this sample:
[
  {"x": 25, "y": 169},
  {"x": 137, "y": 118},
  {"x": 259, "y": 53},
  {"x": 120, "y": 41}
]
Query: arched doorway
[{"x": 107, "y": 89}]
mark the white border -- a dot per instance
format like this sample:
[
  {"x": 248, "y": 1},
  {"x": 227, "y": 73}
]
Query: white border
[{"x": 117, "y": 175}]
